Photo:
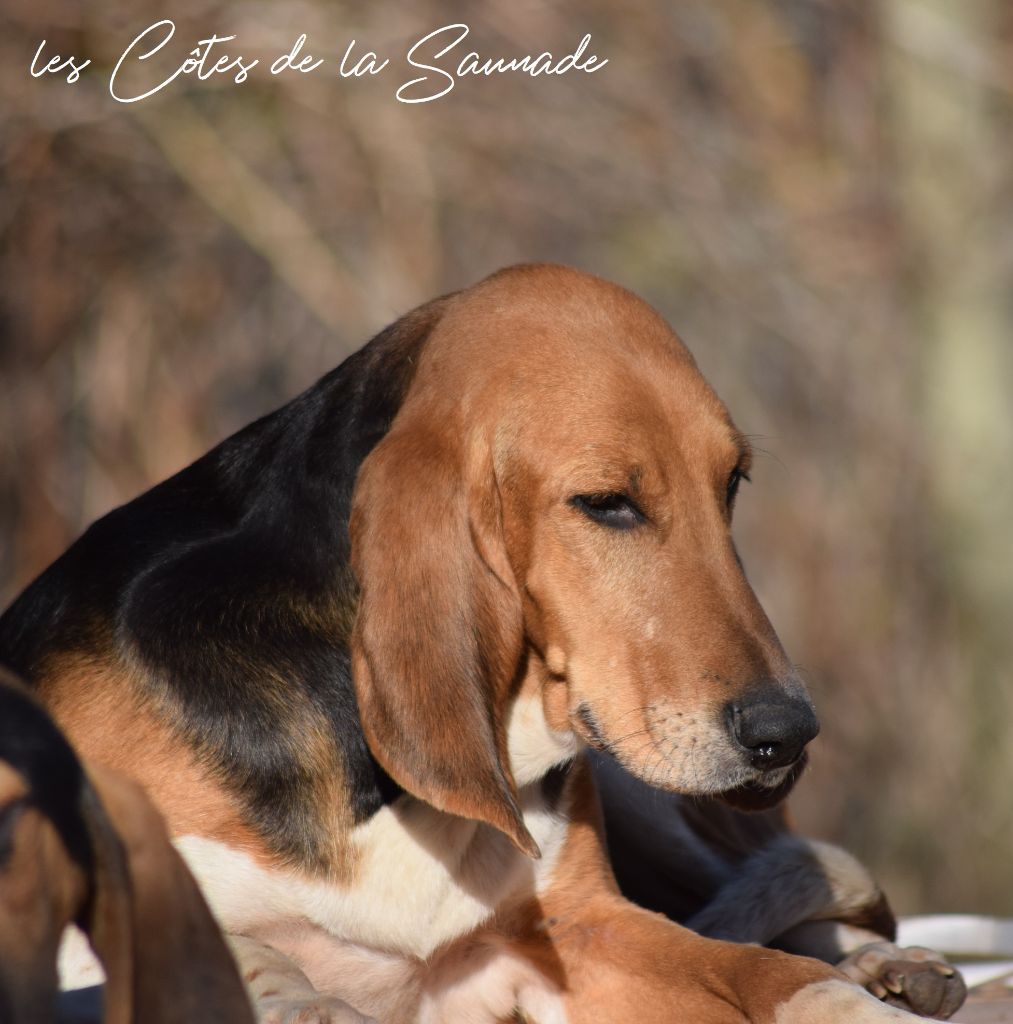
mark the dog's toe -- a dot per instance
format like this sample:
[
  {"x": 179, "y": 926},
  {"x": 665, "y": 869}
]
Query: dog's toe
[{"x": 912, "y": 978}]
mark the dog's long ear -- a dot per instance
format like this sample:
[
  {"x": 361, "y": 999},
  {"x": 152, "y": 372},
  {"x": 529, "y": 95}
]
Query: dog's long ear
[
  {"x": 165, "y": 959},
  {"x": 438, "y": 632},
  {"x": 108, "y": 919}
]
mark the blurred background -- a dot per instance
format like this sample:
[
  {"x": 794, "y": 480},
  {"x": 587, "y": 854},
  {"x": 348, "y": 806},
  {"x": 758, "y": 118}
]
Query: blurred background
[{"x": 818, "y": 195}]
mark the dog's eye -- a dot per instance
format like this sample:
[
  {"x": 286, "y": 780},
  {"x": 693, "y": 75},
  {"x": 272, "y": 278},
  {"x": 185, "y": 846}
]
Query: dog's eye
[
  {"x": 733, "y": 485},
  {"x": 617, "y": 511}
]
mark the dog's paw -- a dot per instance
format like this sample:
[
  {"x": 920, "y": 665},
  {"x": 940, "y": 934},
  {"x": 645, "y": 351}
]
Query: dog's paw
[
  {"x": 317, "y": 1009},
  {"x": 911, "y": 977}
]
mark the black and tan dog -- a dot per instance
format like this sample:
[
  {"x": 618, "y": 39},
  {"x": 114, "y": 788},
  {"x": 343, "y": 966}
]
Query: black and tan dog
[
  {"x": 90, "y": 850},
  {"x": 356, "y": 651}
]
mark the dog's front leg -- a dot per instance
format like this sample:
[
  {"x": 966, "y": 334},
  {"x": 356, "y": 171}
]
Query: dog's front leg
[
  {"x": 281, "y": 993},
  {"x": 622, "y": 963},
  {"x": 615, "y": 962}
]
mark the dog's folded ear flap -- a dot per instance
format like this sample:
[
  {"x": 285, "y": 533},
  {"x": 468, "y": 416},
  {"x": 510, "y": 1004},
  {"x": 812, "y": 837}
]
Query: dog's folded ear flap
[
  {"x": 166, "y": 961},
  {"x": 107, "y": 919},
  {"x": 438, "y": 632}
]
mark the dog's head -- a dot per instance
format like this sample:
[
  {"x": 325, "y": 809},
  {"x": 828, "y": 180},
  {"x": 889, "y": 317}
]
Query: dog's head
[{"x": 550, "y": 516}]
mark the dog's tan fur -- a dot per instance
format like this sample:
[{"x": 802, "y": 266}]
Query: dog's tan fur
[{"x": 497, "y": 628}]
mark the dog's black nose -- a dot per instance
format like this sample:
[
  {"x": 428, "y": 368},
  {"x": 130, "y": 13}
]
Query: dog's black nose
[{"x": 774, "y": 730}]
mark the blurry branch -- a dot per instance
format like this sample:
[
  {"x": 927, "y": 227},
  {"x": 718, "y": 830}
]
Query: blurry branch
[
  {"x": 951, "y": 178},
  {"x": 942, "y": 38},
  {"x": 406, "y": 243},
  {"x": 268, "y": 224},
  {"x": 944, "y": 132}
]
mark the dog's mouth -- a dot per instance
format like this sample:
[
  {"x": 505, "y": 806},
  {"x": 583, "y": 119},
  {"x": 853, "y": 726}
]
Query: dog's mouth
[{"x": 756, "y": 796}]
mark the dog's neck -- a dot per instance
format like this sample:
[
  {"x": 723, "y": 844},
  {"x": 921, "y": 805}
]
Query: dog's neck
[
  {"x": 539, "y": 736},
  {"x": 533, "y": 746}
]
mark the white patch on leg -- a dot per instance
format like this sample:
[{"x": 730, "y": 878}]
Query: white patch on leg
[
  {"x": 281, "y": 992},
  {"x": 77, "y": 964},
  {"x": 484, "y": 987},
  {"x": 834, "y": 1000}
]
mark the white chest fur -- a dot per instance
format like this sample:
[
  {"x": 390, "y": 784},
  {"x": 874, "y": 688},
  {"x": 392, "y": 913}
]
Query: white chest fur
[{"x": 422, "y": 878}]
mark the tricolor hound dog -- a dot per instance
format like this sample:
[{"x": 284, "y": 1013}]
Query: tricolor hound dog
[{"x": 357, "y": 654}]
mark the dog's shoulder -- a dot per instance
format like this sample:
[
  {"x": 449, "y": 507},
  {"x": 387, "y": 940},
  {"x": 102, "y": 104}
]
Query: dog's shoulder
[{"x": 222, "y": 600}]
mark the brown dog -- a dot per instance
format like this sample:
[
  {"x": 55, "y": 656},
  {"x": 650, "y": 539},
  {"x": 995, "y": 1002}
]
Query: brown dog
[
  {"x": 356, "y": 650},
  {"x": 92, "y": 851}
]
